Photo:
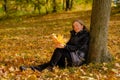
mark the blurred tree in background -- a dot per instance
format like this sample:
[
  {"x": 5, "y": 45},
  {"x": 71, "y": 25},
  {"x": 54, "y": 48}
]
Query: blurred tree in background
[{"x": 12, "y": 8}]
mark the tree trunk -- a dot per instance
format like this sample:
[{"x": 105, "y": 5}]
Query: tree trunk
[
  {"x": 46, "y": 6},
  {"x": 98, "y": 51},
  {"x": 38, "y": 6},
  {"x": 63, "y": 5},
  {"x": 71, "y": 4},
  {"x": 67, "y": 5},
  {"x": 5, "y": 6},
  {"x": 54, "y": 6}
]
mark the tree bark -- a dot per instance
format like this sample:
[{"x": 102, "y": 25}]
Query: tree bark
[
  {"x": 67, "y": 5},
  {"x": 98, "y": 51},
  {"x": 54, "y": 6},
  {"x": 5, "y": 6},
  {"x": 63, "y": 5},
  {"x": 38, "y": 6},
  {"x": 46, "y": 6},
  {"x": 71, "y": 4}
]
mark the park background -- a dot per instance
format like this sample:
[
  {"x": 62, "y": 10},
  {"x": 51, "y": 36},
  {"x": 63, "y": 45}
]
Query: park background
[{"x": 25, "y": 38}]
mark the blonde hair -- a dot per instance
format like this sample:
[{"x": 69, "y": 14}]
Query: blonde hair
[{"x": 79, "y": 21}]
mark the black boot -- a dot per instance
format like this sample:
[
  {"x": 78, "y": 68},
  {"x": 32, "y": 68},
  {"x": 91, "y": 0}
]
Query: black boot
[
  {"x": 40, "y": 67},
  {"x": 36, "y": 68},
  {"x": 22, "y": 68},
  {"x": 50, "y": 68}
]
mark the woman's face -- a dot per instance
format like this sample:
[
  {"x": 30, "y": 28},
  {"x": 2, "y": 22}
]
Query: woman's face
[{"x": 77, "y": 26}]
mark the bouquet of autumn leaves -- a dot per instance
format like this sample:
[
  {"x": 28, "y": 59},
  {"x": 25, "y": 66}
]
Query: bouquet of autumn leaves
[{"x": 59, "y": 39}]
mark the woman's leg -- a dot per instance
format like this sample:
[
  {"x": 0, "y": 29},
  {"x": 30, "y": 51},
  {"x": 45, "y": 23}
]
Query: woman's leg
[
  {"x": 40, "y": 67},
  {"x": 61, "y": 63},
  {"x": 58, "y": 57}
]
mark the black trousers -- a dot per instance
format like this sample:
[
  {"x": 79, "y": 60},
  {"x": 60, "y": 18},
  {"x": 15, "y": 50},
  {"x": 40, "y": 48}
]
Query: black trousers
[{"x": 60, "y": 57}]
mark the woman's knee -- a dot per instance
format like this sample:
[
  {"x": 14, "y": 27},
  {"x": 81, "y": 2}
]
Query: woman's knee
[
  {"x": 58, "y": 50},
  {"x": 62, "y": 52}
]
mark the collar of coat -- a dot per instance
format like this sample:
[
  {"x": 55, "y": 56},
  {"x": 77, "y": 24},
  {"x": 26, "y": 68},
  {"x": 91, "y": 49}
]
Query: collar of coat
[{"x": 78, "y": 33}]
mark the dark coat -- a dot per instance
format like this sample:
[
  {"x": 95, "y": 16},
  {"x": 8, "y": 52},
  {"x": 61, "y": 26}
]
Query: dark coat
[{"x": 78, "y": 43}]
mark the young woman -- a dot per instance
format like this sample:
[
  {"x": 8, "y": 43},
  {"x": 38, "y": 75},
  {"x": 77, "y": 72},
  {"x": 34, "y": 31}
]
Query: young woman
[{"x": 75, "y": 51}]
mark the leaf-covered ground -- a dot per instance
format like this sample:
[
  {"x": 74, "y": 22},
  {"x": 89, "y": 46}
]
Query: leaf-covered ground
[{"x": 27, "y": 41}]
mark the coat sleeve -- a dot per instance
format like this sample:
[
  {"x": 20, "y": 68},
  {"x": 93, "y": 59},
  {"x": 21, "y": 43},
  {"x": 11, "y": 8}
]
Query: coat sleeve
[
  {"x": 71, "y": 47},
  {"x": 80, "y": 46},
  {"x": 85, "y": 43}
]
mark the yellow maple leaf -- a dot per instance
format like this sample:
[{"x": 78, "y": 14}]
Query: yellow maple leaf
[{"x": 58, "y": 39}]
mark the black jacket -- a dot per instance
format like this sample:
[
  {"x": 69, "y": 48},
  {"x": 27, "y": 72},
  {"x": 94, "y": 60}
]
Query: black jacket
[{"x": 78, "y": 42}]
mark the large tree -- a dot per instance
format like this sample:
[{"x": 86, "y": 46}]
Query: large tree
[{"x": 98, "y": 51}]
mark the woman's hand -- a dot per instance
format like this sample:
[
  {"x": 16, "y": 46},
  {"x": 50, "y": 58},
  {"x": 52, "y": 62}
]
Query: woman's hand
[{"x": 60, "y": 45}]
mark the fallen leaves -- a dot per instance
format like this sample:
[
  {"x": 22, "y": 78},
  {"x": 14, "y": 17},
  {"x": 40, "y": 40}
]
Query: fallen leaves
[{"x": 30, "y": 43}]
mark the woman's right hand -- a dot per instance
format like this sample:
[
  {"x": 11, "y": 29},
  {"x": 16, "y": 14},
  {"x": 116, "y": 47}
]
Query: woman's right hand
[{"x": 59, "y": 45}]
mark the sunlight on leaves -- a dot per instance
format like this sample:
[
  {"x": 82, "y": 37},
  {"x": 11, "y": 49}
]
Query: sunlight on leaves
[
  {"x": 59, "y": 39},
  {"x": 30, "y": 42}
]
